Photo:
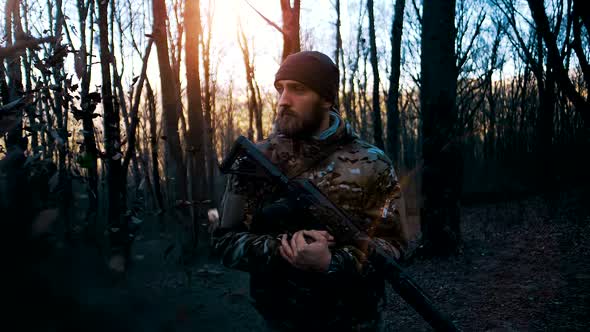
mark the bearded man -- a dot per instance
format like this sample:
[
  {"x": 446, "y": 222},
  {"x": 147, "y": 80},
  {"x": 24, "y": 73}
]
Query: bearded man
[{"x": 304, "y": 280}]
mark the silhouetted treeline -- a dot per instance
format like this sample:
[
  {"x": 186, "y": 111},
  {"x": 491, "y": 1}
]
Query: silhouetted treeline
[{"x": 467, "y": 97}]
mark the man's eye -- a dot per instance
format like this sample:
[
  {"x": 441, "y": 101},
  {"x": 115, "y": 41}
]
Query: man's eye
[{"x": 299, "y": 88}]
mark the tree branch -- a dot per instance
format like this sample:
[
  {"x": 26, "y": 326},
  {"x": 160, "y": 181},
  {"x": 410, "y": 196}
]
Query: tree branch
[{"x": 271, "y": 23}]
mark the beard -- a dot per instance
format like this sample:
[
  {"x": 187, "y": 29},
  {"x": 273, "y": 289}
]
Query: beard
[{"x": 292, "y": 124}]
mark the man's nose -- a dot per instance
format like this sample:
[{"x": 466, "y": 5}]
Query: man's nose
[{"x": 285, "y": 98}]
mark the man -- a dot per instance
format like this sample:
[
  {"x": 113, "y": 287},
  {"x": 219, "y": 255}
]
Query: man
[{"x": 306, "y": 281}]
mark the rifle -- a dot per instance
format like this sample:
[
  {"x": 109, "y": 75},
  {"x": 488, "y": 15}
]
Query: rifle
[{"x": 244, "y": 158}]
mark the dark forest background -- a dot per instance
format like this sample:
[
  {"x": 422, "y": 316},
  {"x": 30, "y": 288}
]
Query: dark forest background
[{"x": 475, "y": 101}]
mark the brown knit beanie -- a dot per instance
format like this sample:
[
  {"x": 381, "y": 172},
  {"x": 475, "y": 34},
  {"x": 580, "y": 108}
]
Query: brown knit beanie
[{"x": 314, "y": 69}]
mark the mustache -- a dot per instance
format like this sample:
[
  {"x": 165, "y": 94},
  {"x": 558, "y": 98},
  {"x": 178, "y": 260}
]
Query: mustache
[{"x": 283, "y": 111}]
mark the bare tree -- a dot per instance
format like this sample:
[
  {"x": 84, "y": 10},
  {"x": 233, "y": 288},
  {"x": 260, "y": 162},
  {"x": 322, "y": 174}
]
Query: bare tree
[
  {"x": 377, "y": 123},
  {"x": 89, "y": 154},
  {"x": 338, "y": 53},
  {"x": 14, "y": 32},
  {"x": 192, "y": 21},
  {"x": 171, "y": 107},
  {"x": 254, "y": 104},
  {"x": 118, "y": 233},
  {"x": 209, "y": 96},
  {"x": 441, "y": 182},
  {"x": 290, "y": 27},
  {"x": 291, "y": 14},
  {"x": 555, "y": 61},
  {"x": 154, "y": 147},
  {"x": 393, "y": 114}
]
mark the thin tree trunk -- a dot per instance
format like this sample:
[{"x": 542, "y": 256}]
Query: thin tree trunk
[
  {"x": 195, "y": 108},
  {"x": 253, "y": 104},
  {"x": 28, "y": 65},
  {"x": 88, "y": 105},
  {"x": 119, "y": 237},
  {"x": 490, "y": 139},
  {"x": 15, "y": 85},
  {"x": 362, "y": 101},
  {"x": 171, "y": 107},
  {"x": 154, "y": 146},
  {"x": 338, "y": 54},
  {"x": 377, "y": 123},
  {"x": 393, "y": 114},
  {"x": 544, "y": 123},
  {"x": 132, "y": 130},
  {"x": 210, "y": 155}
]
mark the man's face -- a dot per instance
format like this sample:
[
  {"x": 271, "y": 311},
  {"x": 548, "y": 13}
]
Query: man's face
[{"x": 301, "y": 109}]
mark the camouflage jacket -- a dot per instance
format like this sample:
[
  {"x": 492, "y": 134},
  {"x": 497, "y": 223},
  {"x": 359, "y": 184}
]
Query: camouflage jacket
[{"x": 357, "y": 177}]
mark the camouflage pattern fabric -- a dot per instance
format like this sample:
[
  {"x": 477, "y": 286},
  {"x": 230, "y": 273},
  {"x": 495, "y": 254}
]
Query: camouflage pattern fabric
[{"x": 357, "y": 177}]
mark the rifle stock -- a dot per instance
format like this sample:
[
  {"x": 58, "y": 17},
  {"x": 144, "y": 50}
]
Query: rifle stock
[{"x": 340, "y": 225}]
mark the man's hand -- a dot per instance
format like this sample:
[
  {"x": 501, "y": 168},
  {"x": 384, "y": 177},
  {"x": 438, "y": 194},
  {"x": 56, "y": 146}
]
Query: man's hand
[{"x": 312, "y": 256}]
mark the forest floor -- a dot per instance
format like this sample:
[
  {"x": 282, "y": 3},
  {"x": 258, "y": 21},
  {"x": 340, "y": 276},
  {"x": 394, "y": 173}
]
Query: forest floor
[{"x": 525, "y": 266}]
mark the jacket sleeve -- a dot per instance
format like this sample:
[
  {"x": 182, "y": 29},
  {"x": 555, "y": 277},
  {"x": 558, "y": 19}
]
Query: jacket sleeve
[
  {"x": 234, "y": 243},
  {"x": 387, "y": 228}
]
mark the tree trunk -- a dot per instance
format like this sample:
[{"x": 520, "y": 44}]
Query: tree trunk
[
  {"x": 195, "y": 107},
  {"x": 490, "y": 138},
  {"x": 28, "y": 66},
  {"x": 15, "y": 85},
  {"x": 154, "y": 146},
  {"x": 254, "y": 107},
  {"x": 393, "y": 114},
  {"x": 118, "y": 233},
  {"x": 377, "y": 123},
  {"x": 544, "y": 123},
  {"x": 291, "y": 38},
  {"x": 132, "y": 130},
  {"x": 171, "y": 106},
  {"x": 441, "y": 182},
  {"x": 88, "y": 105},
  {"x": 210, "y": 155},
  {"x": 338, "y": 52},
  {"x": 362, "y": 101},
  {"x": 555, "y": 62}
]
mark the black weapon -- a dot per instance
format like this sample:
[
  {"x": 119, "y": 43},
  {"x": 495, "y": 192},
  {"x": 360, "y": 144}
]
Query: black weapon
[{"x": 245, "y": 159}]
